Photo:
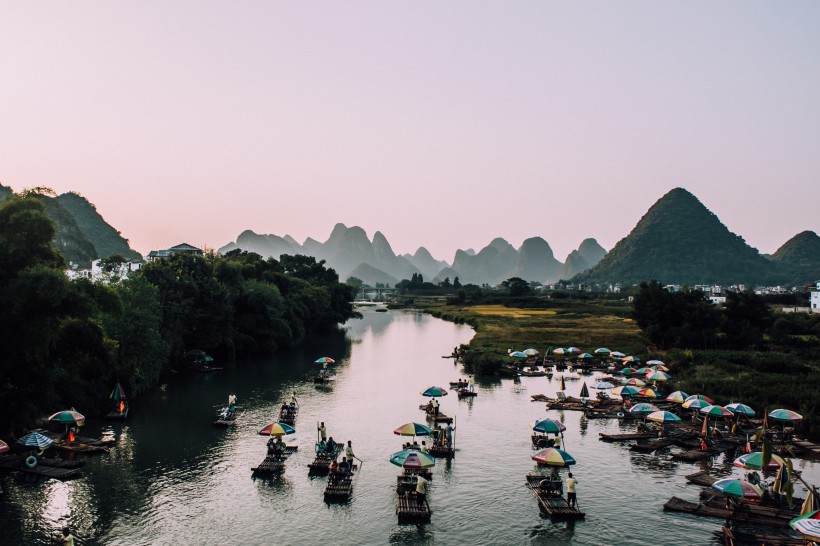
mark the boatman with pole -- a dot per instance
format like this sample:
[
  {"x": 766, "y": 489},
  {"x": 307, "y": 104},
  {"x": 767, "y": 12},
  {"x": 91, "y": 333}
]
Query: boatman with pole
[{"x": 322, "y": 432}]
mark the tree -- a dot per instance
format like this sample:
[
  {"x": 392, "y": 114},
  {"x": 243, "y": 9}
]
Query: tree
[
  {"x": 746, "y": 319},
  {"x": 456, "y": 283},
  {"x": 516, "y": 286},
  {"x": 355, "y": 282}
]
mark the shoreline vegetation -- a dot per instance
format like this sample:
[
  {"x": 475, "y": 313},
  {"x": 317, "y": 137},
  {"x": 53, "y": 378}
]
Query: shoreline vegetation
[
  {"x": 781, "y": 372},
  {"x": 66, "y": 343}
]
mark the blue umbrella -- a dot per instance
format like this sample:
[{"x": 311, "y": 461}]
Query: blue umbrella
[
  {"x": 35, "y": 439},
  {"x": 740, "y": 409},
  {"x": 434, "y": 392},
  {"x": 603, "y": 385},
  {"x": 548, "y": 426},
  {"x": 518, "y": 354}
]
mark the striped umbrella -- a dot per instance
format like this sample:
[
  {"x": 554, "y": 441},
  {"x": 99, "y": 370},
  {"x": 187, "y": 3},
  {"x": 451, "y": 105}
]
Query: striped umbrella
[
  {"x": 694, "y": 404},
  {"x": 663, "y": 417},
  {"x": 616, "y": 354},
  {"x": 660, "y": 368},
  {"x": 68, "y": 417},
  {"x": 531, "y": 352},
  {"x": 276, "y": 429},
  {"x": 518, "y": 354},
  {"x": 35, "y": 439},
  {"x": 602, "y": 351},
  {"x": 585, "y": 356},
  {"x": 754, "y": 461},
  {"x": 410, "y": 458},
  {"x": 324, "y": 360},
  {"x": 700, "y": 397},
  {"x": 716, "y": 411},
  {"x": 631, "y": 359},
  {"x": 559, "y": 351},
  {"x": 633, "y": 382},
  {"x": 740, "y": 409},
  {"x": 552, "y": 456},
  {"x": 808, "y": 525},
  {"x": 655, "y": 362},
  {"x": 573, "y": 350},
  {"x": 413, "y": 429},
  {"x": 679, "y": 397},
  {"x": 738, "y": 488},
  {"x": 628, "y": 371},
  {"x": 548, "y": 426},
  {"x": 648, "y": 392},
  {"x": 625, "y": 391},
  {"x": 4, "y": 446},
  {"x": 118, "y": 393},
  {"x": 785, "y": 415},
  {"x": 658, "y": 376},
  {"x": 643, "y": 409},
  {"x": 434, "y": 392}
]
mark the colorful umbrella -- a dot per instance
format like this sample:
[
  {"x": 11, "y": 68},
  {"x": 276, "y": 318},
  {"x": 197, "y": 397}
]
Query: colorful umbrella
[
  {"x": 548, "y": 426},
  {"x": 68, "y": 417},
  {"x": 553, "y": 457},
  {"x": 700, "y": 397},
  {"x": 603, "y": 385},
  {"x": 434, "y": 392},
  {"x": 808, "y": 525},
  {"x": 642, "y": 371},
  {"x": 695, "y": 404},
  {"x": 4, "y": 446},
  {"x": 679, "y": 397},
  {"x": 531, "y": 352},
  {"x": 754, "y": 461},
  {"x": 738, "y": 488},
  {"x": 658, "y": 376},
  {"x": 35, "y": 439},
  {"x": 716, "y": 411},
  {"x": 648, "y": 392},
  {"x": 808, "y": 504},
  {"x": 413, "y": 429},
  {"x": 663, "y": 417},
  {"x": 573, "y": 350},
  {"x": 602, "y": 351},
  {"x": 117, "y": 394},
  {"x": 660, "y": 368},
  {"x": 655, "y": 362},
  {"x": 625, "y": 391},
  {"x": 410, "y": 458},
  {"x": 585, "y": 356},
  {"x": 584, "y": 391},
  {"x": 740, "y": 409},
  {"x": 276, "y": 429},
  {"x": 628, "y": 371},
  {"x": 518, "y": 354},
  {"x": 633, "y": 382},
  {"x": 643, "y": 409},
  {"x": 324, "y": 360},
  {"x": 785, "y": 415},
  {"x": 631, "y": 359},
  {"x": 559, "y": 351},
  {"x": 616, "y": 354}
]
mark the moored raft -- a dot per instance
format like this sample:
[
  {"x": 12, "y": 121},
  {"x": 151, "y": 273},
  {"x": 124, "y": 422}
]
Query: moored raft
[
  {"x": 624, "y": 437},
  {"x": 650, "y": 445},
  {"x": 701, "y": 478},
  {"x": 48, "y": 471},
  {"x": 710, "y": 510},
  {"x": 410, "y": 508},
  {"x": 734, "y": 537}
]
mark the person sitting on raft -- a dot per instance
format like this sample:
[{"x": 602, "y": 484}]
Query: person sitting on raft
[
  {"x": 280, "y": 448},
  {"x": 271, "y": 447},
  {"x": 344, "y": 468},
  {"x": 330, "y": 447}
]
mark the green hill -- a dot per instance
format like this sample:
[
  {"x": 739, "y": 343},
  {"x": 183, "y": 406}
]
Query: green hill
[
  {"x": 680, "y": 241},
  {"x": 105, "y": 238},
  {"x": 798, "y": 260}
]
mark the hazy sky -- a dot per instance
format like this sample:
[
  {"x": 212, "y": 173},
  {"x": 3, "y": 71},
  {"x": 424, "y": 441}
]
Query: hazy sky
[{"x": 440, "y": 123}]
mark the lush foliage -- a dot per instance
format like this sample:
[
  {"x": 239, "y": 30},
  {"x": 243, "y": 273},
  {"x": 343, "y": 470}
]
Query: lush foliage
[{"x": 66, "y": 342}]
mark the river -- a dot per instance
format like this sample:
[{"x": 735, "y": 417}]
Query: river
[{"x": 174, "y": 478}]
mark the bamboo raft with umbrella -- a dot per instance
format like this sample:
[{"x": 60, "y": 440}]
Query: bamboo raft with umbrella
[
  {"x": 734, "y": 537},
  {"x": 288, "y": 413},
  {"x": 120, "y": 410},
  {"x": 551, "y": 502}
]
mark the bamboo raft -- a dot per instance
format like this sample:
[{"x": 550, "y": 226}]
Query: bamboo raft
[
  {"x": 711, "y": 497},
  {"x": 425, "y": 473},
  {"x": 466, "y": 393},
  {"x": 624, "y": 437},
  {"x": 440, "y": 418},
  {"x": 694, "y": 455},
  {"x": 411, "y": 509},
  {"x": 288, "y": 415},
  {"x": 271, "y": 465},
  {"x": 552, "y": 503},
  {"x": 650, "y": 446},
  {"x": 58, "y": 473},
  {"x": 115, "y": 415},
  {"x": 339, "y": 490},
  {"x": 701, "y": 478},
  {"x": 741, "y": 514},
  {"x": 321, "y": 464},
  {"x": 808, "y": 448},
  {"x": 406, "y": 483},
  {"x": 230, "y": 420},
  {"x": 442, "y": 452},
  {"x": 733, "y": 537}
]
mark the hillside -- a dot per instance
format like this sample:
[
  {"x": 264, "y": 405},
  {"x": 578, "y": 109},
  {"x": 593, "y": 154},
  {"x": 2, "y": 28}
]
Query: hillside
[
  {"x": 680, "y": 241},
  {"x": 798, "y": 260},
  {"x": 106, "y": 240}
]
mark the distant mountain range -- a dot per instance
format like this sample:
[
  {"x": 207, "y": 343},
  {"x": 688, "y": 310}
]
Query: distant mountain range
[
  {"x": 351, "y": 253},
  {"x": 680, "y": 241},
  {"x": 677, "y": 241},
  {"x": 82, "y": 234}
]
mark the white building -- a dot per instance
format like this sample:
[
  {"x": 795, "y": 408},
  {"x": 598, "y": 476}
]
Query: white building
[
  {"x": 814, "y": 303},
  {"x": 96, "y": 273}
]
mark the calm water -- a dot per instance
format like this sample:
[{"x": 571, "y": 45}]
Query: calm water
[{"x": 176, "y": 479}]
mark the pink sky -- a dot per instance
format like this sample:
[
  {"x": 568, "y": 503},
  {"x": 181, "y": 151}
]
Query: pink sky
[{"x": 443, "y": 124}]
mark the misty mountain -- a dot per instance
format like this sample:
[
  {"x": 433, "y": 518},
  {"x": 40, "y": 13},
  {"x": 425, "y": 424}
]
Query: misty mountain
[{"x": 536, "y": 262}]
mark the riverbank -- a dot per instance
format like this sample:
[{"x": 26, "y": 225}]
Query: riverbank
[{"x": 763, "y": 380}]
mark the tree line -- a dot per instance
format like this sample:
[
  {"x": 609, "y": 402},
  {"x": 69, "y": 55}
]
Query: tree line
[{"x": 66, "y": 342}]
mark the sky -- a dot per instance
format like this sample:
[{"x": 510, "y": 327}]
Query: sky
[{"x": 440, "y": 124}]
